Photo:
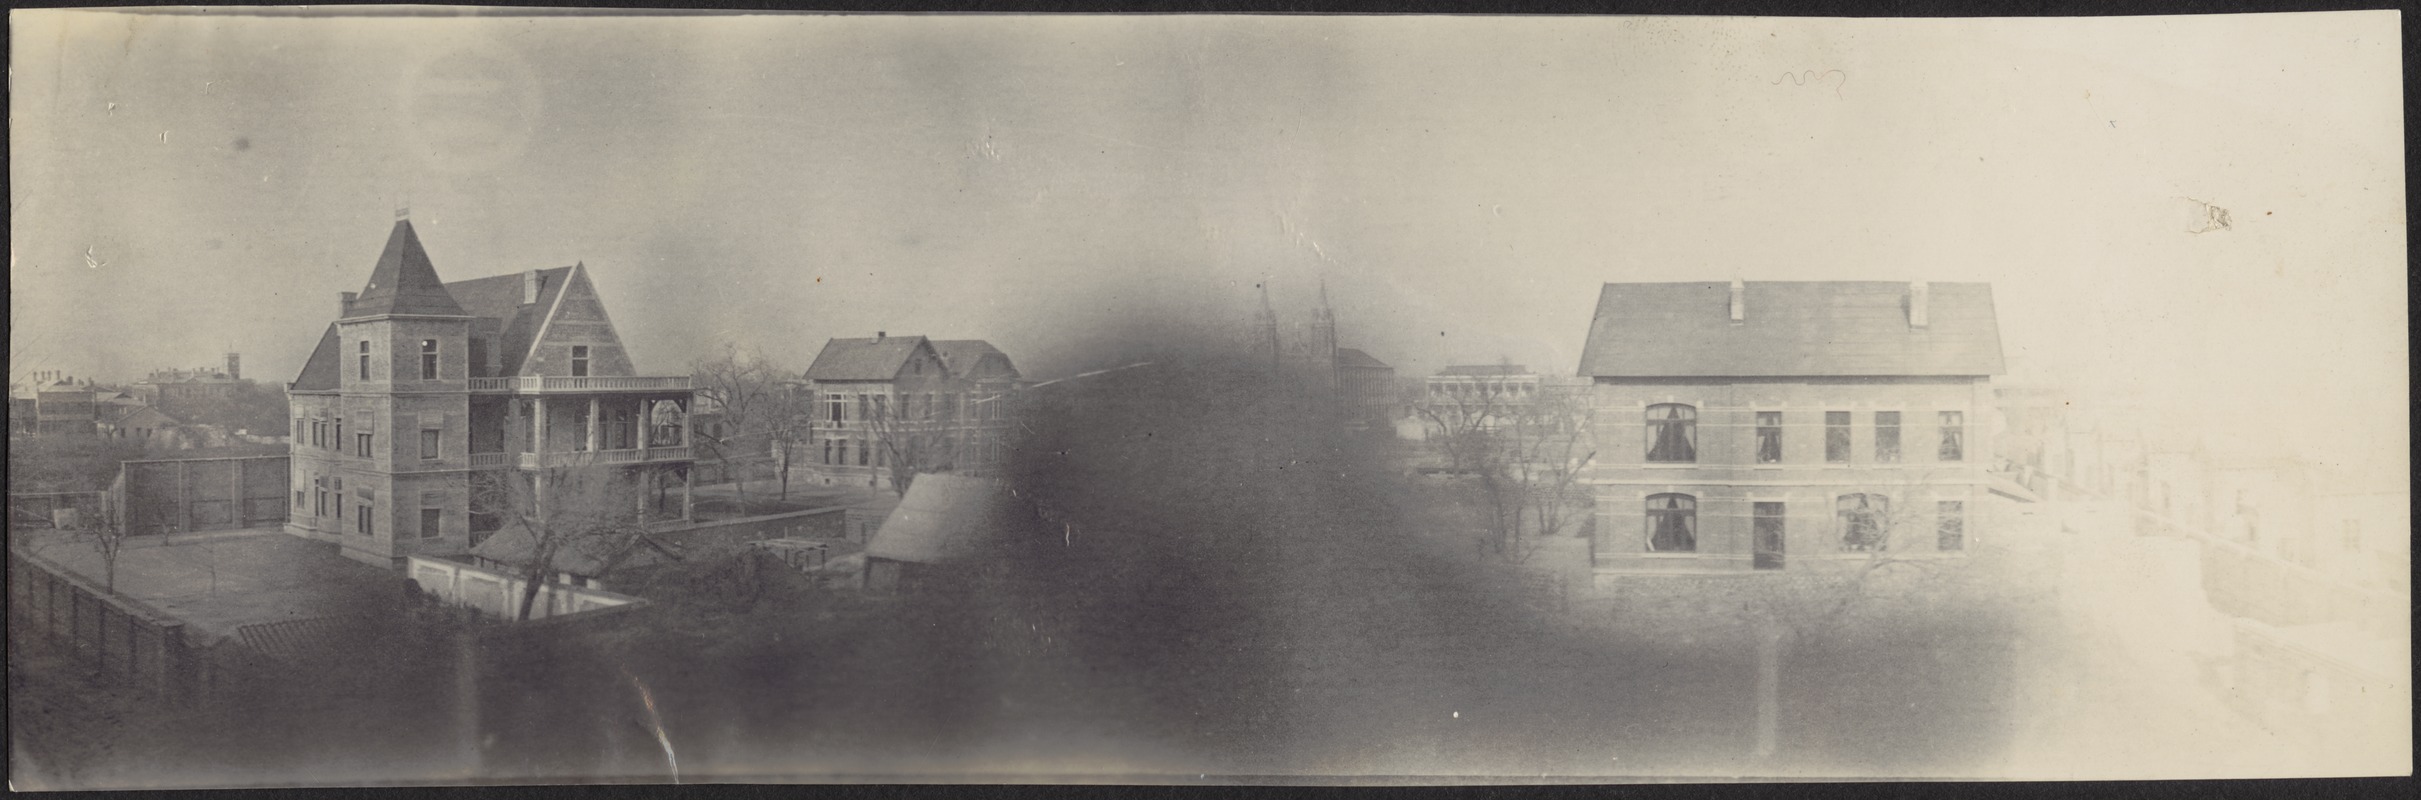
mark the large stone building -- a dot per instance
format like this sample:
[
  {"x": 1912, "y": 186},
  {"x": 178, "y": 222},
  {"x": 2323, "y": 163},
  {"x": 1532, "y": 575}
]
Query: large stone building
[
  {"x": 176, "y": 390},
  {"x": 1787, "y": 421},
  {"x": 1362, "y": 386},
  {"x": 930, "y": 405},
  {"x": 420, "y": 385}
]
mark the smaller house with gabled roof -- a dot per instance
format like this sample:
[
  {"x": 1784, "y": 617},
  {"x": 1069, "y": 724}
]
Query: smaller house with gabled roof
[
  {"x": 886, "y": 408},
  {"x": 1782, "y": 423}
]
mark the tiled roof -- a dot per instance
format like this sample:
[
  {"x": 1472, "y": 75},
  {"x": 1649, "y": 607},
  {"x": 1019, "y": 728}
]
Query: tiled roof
[
  {"x": 863, "y": 359},
  {"x": 498, "y": 297},
  {"x": 1351, "y": 358},
  {"x": 404, "y": 282},
  {"x": 1799, "y": 328},
  {"x": 946, "y": 519},
  {"x": 320, "y": 371},
  {"x": 960, "y": 355}
]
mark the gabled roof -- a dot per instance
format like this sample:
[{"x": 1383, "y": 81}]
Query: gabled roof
[
  {"x": 878, "y": 359},
  {"x": 129, "y": 416},
  {"x": 947, "y": 519},
  {"x": 498, "y": 297},
  {"x": 320, "y": 371},
  {"x": 1794, "y": 328},
  {"x": 1356, "y": 359},
  {"x": 404, "y": 282},
  {"x": 961, "y": 355}
]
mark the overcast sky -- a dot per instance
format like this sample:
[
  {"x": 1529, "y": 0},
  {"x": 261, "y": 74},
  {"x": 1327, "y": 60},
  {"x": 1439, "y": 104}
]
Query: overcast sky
[{"x": 184, "y": 184}]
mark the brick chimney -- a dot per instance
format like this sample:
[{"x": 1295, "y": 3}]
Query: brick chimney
[
  {"x": 1916, "y": 305},
  {"x": 880, "y": 335},
  {"x": 531, "y": 284},
  {"x": 345, "y": 307},
  {"x": 1739, "y": 302}
]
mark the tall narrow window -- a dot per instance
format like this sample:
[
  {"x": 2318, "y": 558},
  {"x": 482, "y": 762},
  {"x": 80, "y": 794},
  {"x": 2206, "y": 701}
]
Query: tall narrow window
[
  {"x": 1672, "y": 523},
  {"x": 1954, "y": 436},
  {"x": 432, "y": 514},
  {"x": 1887, "y": 437},
  {"x": 1672, "y": 433},
  {"x": 361, "y": 445},
  {"x": 1769, "y": 437},
  {"x": 298, "y": 430},
  {"x": 1836, "y": 437},
  {"x": 361, "y": 522},
  {"x": 428, "y": 359},
  {"x": 1864, "y": 521},
  {"x": 837, "y": 403},
  {"x": 338, "y": 443},
  {"x": 1766, "y": 526},
  {"x": 365, "y": 359},
  {"x": 479, "y": 358},
  {"x": 428, "y": 445},
  {"x": 1950, "y": 525},
  {"x": 861, "y": 454},
  {"x": 580, "y": 361}
]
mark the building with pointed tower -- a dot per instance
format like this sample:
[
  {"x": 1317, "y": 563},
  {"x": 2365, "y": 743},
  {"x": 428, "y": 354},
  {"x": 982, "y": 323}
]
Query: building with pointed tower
[
  {"x": 1363, "y": 387},
  {"x": 420, "y": 387}
]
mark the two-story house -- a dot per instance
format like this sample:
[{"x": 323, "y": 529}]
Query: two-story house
[
  {"x": 929, "y": 405},
  {"x": 1777, "y": 422},
  {"x": 419, "y": 385}
]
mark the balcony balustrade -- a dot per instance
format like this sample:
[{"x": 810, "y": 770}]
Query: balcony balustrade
[
  {"x": 631, "y": 456},
  {"x": 557, "y": 384}
]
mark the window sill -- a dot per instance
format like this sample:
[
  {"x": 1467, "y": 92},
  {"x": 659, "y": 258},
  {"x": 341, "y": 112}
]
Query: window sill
[{"x": 1669, "y": 465}]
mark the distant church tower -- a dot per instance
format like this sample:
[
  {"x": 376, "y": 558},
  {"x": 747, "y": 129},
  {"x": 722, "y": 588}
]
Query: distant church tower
[{"x": 1265, "y": 332}]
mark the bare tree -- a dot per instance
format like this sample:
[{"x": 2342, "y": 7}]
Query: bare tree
[
  {"x": 1523, "y": 448},
  {"x": 1889, "y": 541},
  {"x": 571, "y": 505},
  {"x": 103, "y": 531},
  {"x": 916, "y": 437},
  {"x": 745, "y": 394}
]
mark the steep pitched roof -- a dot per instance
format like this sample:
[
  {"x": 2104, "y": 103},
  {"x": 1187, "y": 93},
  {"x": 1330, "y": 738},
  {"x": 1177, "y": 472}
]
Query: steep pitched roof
[
  {"x": 863, "y": 359},
  {"x": 320, "y": 371},
  {"x": 404, "y": 282},
  {"x": 1355, "y": 359},
  {"x": 948, "y": 519},
  {"x": 1794, "y": 328},
  {"x": 961, "y": 355},
  {"x": 498, "y": 297},
  {"x": 131, "y": 416}
]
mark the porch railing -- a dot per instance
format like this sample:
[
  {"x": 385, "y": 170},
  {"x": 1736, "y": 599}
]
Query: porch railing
[{"x": 542, "y": 384}]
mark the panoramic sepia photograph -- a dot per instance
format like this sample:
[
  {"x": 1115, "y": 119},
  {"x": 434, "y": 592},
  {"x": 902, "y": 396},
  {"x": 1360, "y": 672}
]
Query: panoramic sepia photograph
[{"x": 428, "y": 395}]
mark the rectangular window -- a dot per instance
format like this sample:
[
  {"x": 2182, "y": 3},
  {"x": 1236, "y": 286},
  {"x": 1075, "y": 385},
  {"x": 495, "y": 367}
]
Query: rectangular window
[
  {"x": 580, "y": 361},
  {"x": 1769, "y": 437},
  {"x": 428, "y": 444},
  {"x": 1836, "y": 437},
  {"x": 1887, "y": 437},
  {"x": 365, "y": 359},
  {"x": 428, "y": 359},
  {"x": 361, "y": 445},
  {"x": 337, "y": 442},
  {"x": 298, "y": 498},
  {"x": 1954, "y": 436},
  {"x": 432, "y": 515},
  {"x": 1950, "y": 525},
  {"x": 861, "y": 453},
  {"x": 298, "y": 429},
  {"x": 1766, "y": 525},
  {"x": 361, "y": 519},
  {"x": 835, "y": 402},
  {"x": 1672, "y": 433}
]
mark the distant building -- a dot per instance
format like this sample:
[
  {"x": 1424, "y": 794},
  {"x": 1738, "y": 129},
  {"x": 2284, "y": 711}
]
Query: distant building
[
  {"x": 419, "y": 385},
  {"x": 1780, "y": 422},
  {"x": 934, "y": 405},
  {"x": 64, "y": 408},
  {"x": 1362, "y": 386},
  {"x": 150, "y": 426},
  {"x": 175, "y": 390}
]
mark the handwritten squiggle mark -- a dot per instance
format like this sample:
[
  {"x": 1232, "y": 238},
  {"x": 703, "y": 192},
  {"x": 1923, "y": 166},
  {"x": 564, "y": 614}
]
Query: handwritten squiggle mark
[
  {"x": 656, "y": 721},
  {"x": 1808, "y": 76}
]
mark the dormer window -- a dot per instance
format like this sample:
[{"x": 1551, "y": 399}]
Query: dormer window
[{"x": 580, "y": 361}]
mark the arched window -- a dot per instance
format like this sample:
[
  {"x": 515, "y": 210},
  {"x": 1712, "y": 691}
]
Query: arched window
[
  {"x": 1864, "y": 521},
  {"x": 1672, "y": 523},
  {"x": 1672, "y": 433}
]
